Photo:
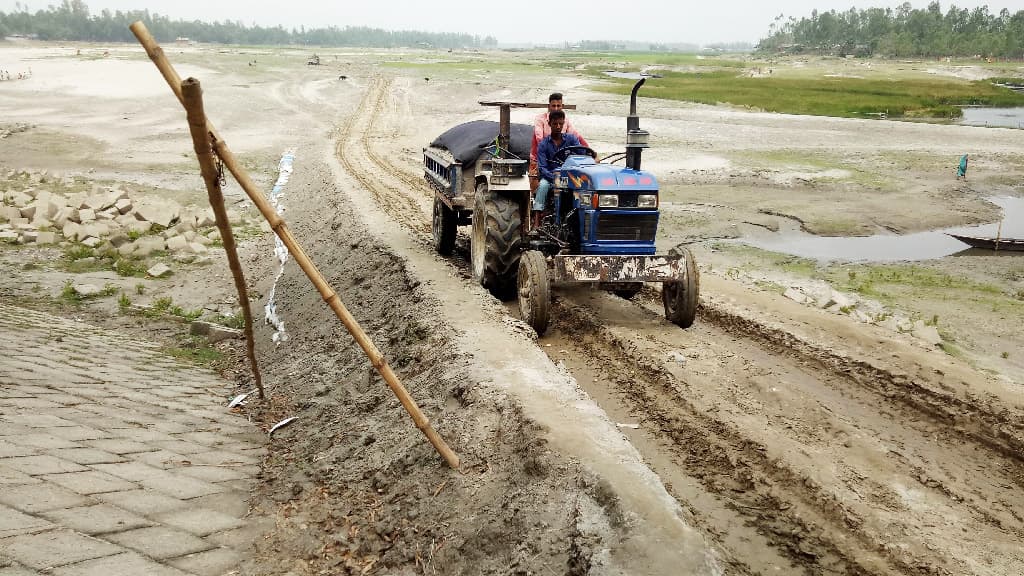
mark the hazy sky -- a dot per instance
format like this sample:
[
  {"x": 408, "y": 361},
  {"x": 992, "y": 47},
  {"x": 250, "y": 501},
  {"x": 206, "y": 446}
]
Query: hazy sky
[{"x": 641, "y": 20}]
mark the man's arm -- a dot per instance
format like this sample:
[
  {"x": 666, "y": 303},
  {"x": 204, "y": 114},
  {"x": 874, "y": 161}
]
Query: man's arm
[
  {"x": 545, "y": 152},
  {"x": 538, "y": 135}
]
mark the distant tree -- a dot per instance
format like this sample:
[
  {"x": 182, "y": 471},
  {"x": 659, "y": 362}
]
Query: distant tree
[
  {"x": 904, "y": 32},
  {"x": 71, "y": 20}
]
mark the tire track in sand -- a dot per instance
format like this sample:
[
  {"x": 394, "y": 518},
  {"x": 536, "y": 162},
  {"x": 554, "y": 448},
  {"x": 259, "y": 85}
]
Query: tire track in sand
[
  {"x": 783, "y": 453},
  {"x": 388, "y": 184}
]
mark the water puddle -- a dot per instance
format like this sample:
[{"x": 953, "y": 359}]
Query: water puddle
[
  {"x": 891, "y": 247},
  {"x": 1002, "y": 117},
  {"x": 629, "y": 75}
]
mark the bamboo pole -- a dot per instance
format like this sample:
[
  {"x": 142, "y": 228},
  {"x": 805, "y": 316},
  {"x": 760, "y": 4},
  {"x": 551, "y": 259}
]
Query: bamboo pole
[
  {"x": 280, "y": 228},
  {"x": 192, "y": 94}
]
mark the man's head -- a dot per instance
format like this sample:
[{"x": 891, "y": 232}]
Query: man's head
[
  {"x": 555, "y": 102},
  {"x": 556, "y": 120}
]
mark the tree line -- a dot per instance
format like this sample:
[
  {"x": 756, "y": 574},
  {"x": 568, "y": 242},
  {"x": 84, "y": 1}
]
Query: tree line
[
  {"x": 901, "y": 32},
  {"x": 71, "y": 20}
]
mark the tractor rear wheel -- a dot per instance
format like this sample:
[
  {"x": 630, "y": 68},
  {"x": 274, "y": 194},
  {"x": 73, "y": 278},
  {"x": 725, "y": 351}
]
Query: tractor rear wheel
[
  {"x": 496, "y": 241},
  {"x": 534, "y": 291},
  {"x": 443, "y": 226},
  {"x": 681, "y": 298}
]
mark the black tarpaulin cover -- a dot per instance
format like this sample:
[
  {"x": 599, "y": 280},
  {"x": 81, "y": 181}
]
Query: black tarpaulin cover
[{"x": 467, "y": 141}]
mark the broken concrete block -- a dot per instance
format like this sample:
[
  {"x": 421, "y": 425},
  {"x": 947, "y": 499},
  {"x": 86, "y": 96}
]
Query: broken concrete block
[
  {"x": 118, "y": 240},
  {"x": 97, "y": 229},
  {"x": 206, "y": 219},
  {"x": 29, "y": 236},
  {"x": 138, "y": 226},
  {"x": 108, "y": 214},
  {"x": 62, "y": 217},
  {"x": 8, "y": 213},
  {"x": 213, "y": 332},
  {"x": 29, "y": 212},
  {"x": 19, "y": 199},
  {"x": 149, "y": 244},
  {"x": 796, "y": 295},
  {"x": 203, "y": 240},
  {"x": 162, "y": 214},
  {"x": 159, "y": 270},
  {"x": 46, "y": 238},
  {"x": 123, "y": 205},
  {"x": 197, "y": 248},
  {"x": 890, "y": 323},
  {"x": 126, "y": 249},
  {"x": 929, "y": 334},
  {"x": 839, "y": 299},
  {"x": 190, "y": 235},
  {"x": 92, "y": 241},
  {"x": 9, "y": 236},
  {"x": 86, "y": 215},
  {"x": 177, "y": 243},
  {"x": 860, "y": 316},
  {"x": 70, "y": 230},
  {"x": 86, "y": 290}
]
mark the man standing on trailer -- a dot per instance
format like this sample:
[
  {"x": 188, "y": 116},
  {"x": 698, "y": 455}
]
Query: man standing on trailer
[{"x": 542, "y": 129}]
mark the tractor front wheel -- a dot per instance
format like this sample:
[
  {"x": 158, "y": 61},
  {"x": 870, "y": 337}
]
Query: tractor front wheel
[
  {"x": 681, "y": 298},
  {"x": 534, "y": 291}
]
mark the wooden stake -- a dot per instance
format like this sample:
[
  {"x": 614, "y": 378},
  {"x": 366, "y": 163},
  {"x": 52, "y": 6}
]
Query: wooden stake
[
  {"x": 278, "y": 225},
  {"x": 192, "y": 94}
]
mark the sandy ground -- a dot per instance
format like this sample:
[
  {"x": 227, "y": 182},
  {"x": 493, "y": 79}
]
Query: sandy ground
[{"x": 771, "y": 437}]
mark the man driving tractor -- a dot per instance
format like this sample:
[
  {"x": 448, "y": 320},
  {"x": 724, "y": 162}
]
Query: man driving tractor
[{"x": 547, "y": 150}]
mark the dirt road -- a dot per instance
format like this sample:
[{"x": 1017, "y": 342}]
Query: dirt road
[
  {"x": 801, "y": 442},
  {"x": 769, "y": 438}
]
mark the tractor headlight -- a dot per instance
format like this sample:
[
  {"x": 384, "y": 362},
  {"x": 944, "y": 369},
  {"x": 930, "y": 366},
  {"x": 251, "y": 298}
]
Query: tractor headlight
[
  {"x": 608, "y": 201},
  {"x": 647, "y": 201}
]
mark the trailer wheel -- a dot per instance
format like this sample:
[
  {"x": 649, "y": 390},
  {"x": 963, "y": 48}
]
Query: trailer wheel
[
  {"x": 680, "y": 298},
  {"x": 496, "y": 241},
  {"x": 444, "y": 228},
  {"x": 534, "y": 291}
]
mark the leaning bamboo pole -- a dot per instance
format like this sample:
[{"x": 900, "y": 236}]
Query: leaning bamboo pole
[
  {"x": 277, "y": 224},
  {"x": 192, "y": 94}
]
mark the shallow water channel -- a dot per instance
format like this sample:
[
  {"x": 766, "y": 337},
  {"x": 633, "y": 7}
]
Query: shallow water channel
[
  {"x": 890, "y": 247},
  {"x": 1002, "y": 117}
]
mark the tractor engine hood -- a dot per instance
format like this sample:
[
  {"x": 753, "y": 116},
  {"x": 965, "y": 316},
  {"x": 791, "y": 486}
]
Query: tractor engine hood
[{"x": 582, "y": 173}]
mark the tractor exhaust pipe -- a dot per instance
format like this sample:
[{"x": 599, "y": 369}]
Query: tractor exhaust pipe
[{"x": 636, "y": 139}]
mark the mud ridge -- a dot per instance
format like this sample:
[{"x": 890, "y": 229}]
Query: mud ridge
[
  {"x": 354, "y": 486},
  {"x": 736, "y": 468},
  {"x": 976, "y": 419}
]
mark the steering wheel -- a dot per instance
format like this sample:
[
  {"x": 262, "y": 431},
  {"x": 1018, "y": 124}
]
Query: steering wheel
[{"x": 563, "y": 153}]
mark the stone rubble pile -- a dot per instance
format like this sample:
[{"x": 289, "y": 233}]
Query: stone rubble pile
[
  {"x": 106, "y": 219},
  {"x": 819, "y": 294}
]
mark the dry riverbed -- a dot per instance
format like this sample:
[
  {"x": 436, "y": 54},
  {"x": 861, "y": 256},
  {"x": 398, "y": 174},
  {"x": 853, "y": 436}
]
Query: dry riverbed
[{"x": 820, "y": 418}]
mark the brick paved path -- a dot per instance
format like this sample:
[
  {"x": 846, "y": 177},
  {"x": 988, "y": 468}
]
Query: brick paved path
[{"x": 116, "y": 459}]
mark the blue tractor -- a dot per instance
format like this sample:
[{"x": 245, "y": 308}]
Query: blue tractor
[{"x": 600, "y": 228}]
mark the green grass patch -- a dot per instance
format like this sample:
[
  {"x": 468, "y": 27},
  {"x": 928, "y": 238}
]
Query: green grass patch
[
  {"x": 196, "y": 349},
  {"x": 129, "y": 268},
  {"x": 166, "y": 307},
  {"x": 69, "y": 295},
  {"x": 843, "y": 97},
  {"x": 236, "y": 320}
]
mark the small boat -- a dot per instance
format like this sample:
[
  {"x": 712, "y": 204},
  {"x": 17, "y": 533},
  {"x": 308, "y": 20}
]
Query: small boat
[{"x": 989, "y": 243}]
